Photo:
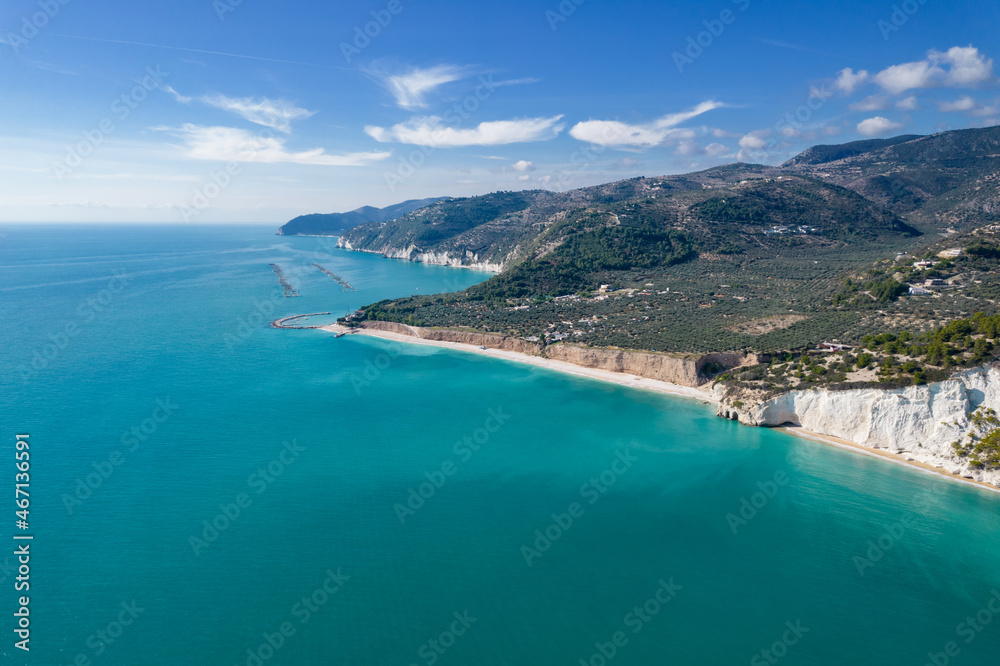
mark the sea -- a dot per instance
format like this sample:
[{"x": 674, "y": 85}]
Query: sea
[{"x": 205, "y": 489}]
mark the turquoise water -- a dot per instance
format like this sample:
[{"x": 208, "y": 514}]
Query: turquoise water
[{"x": 316, "y": 443}]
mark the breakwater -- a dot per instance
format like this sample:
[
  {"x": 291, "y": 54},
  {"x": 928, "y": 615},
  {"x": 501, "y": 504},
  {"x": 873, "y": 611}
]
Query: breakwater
[
  {"x": 286, "y": 286},
  {"x": 336, "y": 278},
  {"x": 285, "y": 322}
]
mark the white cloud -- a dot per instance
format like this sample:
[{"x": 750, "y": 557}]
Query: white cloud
[
  {"x": 753, "y": 141},
  {"x": 688, "y": 147},
  {"x": 411, "y": 88},
  {"x": 614, "y": 133},
  {"x": 871, "y": 103},
  {"x": 230, "y": 144},
  {"x": 969, "y": 67},
  {"x": 899, "y": 78},
  {"x": 963, "y": 103},
  {"x": 831, "y": 130},
  {"x": 524, "y": 177},
  {"x": 908, "y": 103},
  {"x": 716, "y": 150},
  {"x": 848, "y": 79},
  {"x": 877, "y": 126},
  {"x": 523, "y": 165},
  {"x": 968, "y": 105},
  {"x": 957, "y": 67},
  {"x": 429, "y": 131},
  {"x": 753, "y": 145},
  {"x": 277, "y": 114}
]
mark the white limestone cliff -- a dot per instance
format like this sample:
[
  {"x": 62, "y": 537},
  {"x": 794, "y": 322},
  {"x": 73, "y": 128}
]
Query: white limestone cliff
[
  {"x": 920, "y": 422},
  {"x": 413, "y": 253}
]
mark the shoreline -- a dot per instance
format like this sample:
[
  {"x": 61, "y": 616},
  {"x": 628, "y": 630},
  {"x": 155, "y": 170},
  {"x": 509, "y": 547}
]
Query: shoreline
[
  {"x": 664, "y": 387},
  {"x": 622, "y": 379},
  {"x": 881, "y": 454}
]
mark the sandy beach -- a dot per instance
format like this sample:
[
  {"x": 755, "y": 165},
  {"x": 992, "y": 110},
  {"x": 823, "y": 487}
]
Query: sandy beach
[
  {"x": 560, "y": 366},
  {"x": 895, "y": 458},
  {"x": 658, "y": 386}
]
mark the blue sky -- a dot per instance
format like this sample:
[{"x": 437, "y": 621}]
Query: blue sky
[{"x": 252, "y": 111}]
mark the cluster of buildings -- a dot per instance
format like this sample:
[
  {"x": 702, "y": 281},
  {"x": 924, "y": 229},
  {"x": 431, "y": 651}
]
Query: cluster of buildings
[
  {"x": 781, "y": 229},
  {"x": 929, "y": 286}
]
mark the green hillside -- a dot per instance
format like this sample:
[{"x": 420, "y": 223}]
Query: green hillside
[
  {"x": 741, "y": 256},
  {"x": 333, "y": 224}
]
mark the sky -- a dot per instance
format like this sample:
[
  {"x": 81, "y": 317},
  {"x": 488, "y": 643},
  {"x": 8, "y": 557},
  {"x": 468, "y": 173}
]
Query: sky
[{"x": 209, "y": 111}]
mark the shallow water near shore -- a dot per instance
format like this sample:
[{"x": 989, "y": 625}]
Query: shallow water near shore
[{"x": 262, "y": 496}]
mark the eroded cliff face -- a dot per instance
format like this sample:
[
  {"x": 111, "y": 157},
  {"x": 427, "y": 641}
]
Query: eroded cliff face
[
  {"x": 920, "y": 422},
  {"x": 679, "y": 370},
  {"x": 682, "y": 370},
  {"x": 413, "y": 253}
]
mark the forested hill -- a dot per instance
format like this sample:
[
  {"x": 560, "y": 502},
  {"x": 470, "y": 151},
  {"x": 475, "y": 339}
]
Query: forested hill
[
  {"x": 861, "y": 192},
  {"x": 826, "y": 153},
  {"x": 332, "y": 224},
  {"x": 740, "y": 256},
  {"x": 943, "y": 181}
]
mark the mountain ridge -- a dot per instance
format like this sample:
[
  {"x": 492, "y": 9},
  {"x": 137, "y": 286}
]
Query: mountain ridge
[{"x": 331, "y": 224}]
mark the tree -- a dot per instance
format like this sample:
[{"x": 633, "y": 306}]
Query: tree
[{"x": 983, "y": 445}]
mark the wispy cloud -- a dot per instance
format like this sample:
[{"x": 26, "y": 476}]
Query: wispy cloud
[
  {"x": 430, "y": 131},
  {"x": 964, "y": 103},
  {"x": 615, "y": 133},
  {"x": 798, "y": 47},
  {"x": 274, "y": 113},
  {"x": 230, "y": 144},
  {"x": 871, "y": 103},
  {"x": 969, "y": 106},
  {"x": 411, "y": 88},
  {"x": 177, "y": 96}
]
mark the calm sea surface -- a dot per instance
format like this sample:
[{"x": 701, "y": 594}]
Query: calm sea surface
[{"x": 208, "y": 490}]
